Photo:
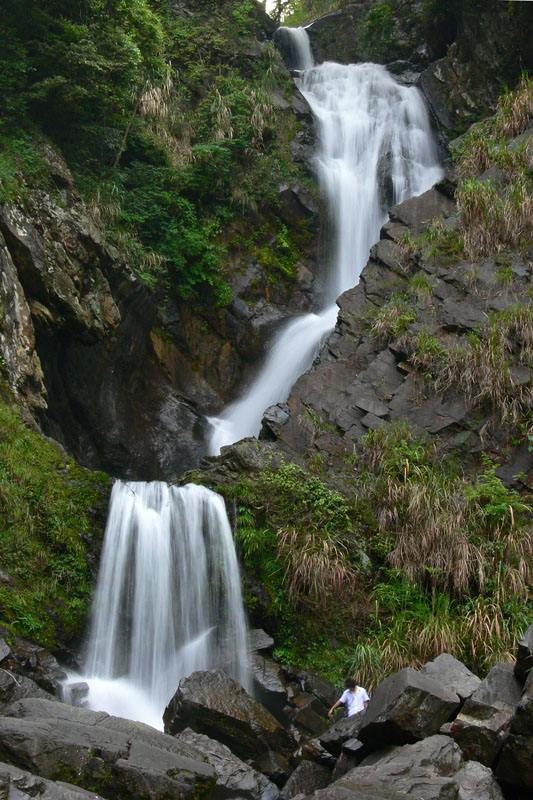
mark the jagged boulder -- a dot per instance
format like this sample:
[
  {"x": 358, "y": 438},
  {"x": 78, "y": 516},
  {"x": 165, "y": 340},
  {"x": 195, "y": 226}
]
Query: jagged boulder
[
  {"x": 485, "y": 719},
  {"x": 122, "y": 760},
  {"x": 431, "y": 769},
  {"x": 306, "y": 778},
  {"x": 405, "y": 707},
  {"x": 341, "y": 731},
  {"x": 515, "y": 764},
  {"x": 234, "y": 777},
  {"x": 452, "y": 674},
  {"x": 212, "y": 703}
]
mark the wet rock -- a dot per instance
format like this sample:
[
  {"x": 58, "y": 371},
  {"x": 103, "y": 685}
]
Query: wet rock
[
  {"x": 274, "y": 419},
  {"x": 18, "y": 784},
  {"x": 119, "y": 758},
  {"x": 297, "y": 203},
  {"x": 524, "y": 656},
  {"x": 212, "y": 703},
  {"x": 234, "y": 777},
  {"x": 5, "y": 649},
  {"x": 307, "y": 777},
  {"x": 485, "y": 719},
  {"x": 309, "y": 714},
  {"x": 405, "y": 707},
  {"x": 452, "y": 674},
  {"x": 260, "y": 641}
]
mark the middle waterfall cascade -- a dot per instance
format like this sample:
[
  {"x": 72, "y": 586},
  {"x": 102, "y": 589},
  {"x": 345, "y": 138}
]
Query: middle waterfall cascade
[
  {"x": 375, "y": 150},
  {"x": 168, "y": 599}
]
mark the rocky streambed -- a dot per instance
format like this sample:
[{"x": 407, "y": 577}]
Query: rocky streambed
[{"x": 439, "y": 732}]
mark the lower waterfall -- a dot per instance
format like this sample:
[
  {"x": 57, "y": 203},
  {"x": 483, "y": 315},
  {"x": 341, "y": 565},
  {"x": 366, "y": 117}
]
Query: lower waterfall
[
  {"x": 375, "y": 150},
  {"x": 167, "y": 602}
]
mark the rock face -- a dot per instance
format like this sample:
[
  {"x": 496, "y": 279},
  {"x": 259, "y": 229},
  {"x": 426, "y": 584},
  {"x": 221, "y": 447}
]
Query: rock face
[
  {"x": 214, "y": 704},
  {"x": 121, "y": 759},
  {"x": 405, "y": 707},
  {"x": 484, "y": 722},
  {"x": 307, "y": 777},
  {"x": 362, "y": 380}
]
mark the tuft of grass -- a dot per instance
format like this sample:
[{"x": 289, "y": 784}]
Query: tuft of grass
[
  {"x": 393, "y": 318},
  {"x": 515, "y": 109}
]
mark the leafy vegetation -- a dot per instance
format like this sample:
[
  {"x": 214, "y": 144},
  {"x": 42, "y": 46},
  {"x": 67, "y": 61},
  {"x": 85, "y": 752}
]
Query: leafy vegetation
[
  {"x": 49, "y": 510},
  {"x": 166, "y": 118},
  {"x": 449, "y": 564}
]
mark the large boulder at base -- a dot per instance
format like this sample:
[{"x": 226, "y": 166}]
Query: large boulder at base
[
  {"x": 17, "y": 784},
  {"x": 120, "y": 759},
  {"x": 405, "y": 707},
  {"x": 306, "y": 778},
  {"x": 515, "y": 765},
  {"x": 483, "y": 724},
  {"x": 234, "y": 777},
  {"x": 452, "y": 674},
  {"x": 211, "y": 702},
  {"x": 428, "y": 770},
  {"x": 341, "y": 731},
  {"x": 524, "y": 656}
]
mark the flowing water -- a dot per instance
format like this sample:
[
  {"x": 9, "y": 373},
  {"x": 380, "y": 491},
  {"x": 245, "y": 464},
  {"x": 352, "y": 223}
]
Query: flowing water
[
  {"x": 167, "y": 602},
  {"x": 375, "y": 149}
]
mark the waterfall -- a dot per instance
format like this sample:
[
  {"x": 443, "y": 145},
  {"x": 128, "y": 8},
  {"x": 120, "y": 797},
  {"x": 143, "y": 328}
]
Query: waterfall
[
  {"x": 375, "y": 149},
  {"x": 167, "y": 602},
  {"x": 295, "y": 46}
]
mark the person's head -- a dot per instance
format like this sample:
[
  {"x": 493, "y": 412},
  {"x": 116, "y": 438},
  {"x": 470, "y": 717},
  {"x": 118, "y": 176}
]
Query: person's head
[{"x": 350, "y": 684}]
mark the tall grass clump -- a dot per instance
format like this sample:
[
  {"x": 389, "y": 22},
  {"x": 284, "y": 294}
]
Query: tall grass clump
[
  {"x": 481, "y": 367},
  {"x": 457, "y": 558},
  {"x": 496, "y": 216}
]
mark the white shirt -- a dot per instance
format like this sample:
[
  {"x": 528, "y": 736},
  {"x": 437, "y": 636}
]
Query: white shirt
[{"x": 354, "y": 700}]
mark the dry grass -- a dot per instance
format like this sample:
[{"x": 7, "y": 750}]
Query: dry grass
[
  {"x": 316, "y": 566},
  {"x": 481, "y": 368},
  {"x": 515, "y": 109}
]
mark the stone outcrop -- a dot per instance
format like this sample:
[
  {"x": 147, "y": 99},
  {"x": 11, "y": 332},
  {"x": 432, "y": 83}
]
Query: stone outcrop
[
  {"x": 452, "y": 674},
  {"x": 406, "y": 706},
  {"x": 118, "y": 758},
  {"x": 485, "y": 719},
  {"x": 515, "y": 764},
  {"x": 18, "y": 783},
  {"x": 212, "y": 703}
]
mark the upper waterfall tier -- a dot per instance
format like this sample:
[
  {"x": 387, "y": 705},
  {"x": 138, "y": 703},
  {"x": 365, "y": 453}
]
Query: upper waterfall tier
[
  {"x": 168, "y": 599},
  {"x": 375, "y": 149}
]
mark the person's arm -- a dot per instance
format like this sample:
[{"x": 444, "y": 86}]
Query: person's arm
[
  {"x": 366, "y": 703},
  {"x": 332, "y": 709}
]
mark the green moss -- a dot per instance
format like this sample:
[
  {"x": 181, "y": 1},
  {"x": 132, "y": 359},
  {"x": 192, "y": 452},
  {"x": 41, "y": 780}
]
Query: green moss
[{"x": 50, "y": 510}]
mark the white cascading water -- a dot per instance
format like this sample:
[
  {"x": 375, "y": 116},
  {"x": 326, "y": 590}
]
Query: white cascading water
[
  {"x": 167, "y": 602},
  {"x": 374, "y": 140}
]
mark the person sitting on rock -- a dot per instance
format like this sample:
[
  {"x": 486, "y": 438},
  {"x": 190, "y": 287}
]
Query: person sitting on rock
[{"x": 355, "y": 697}]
